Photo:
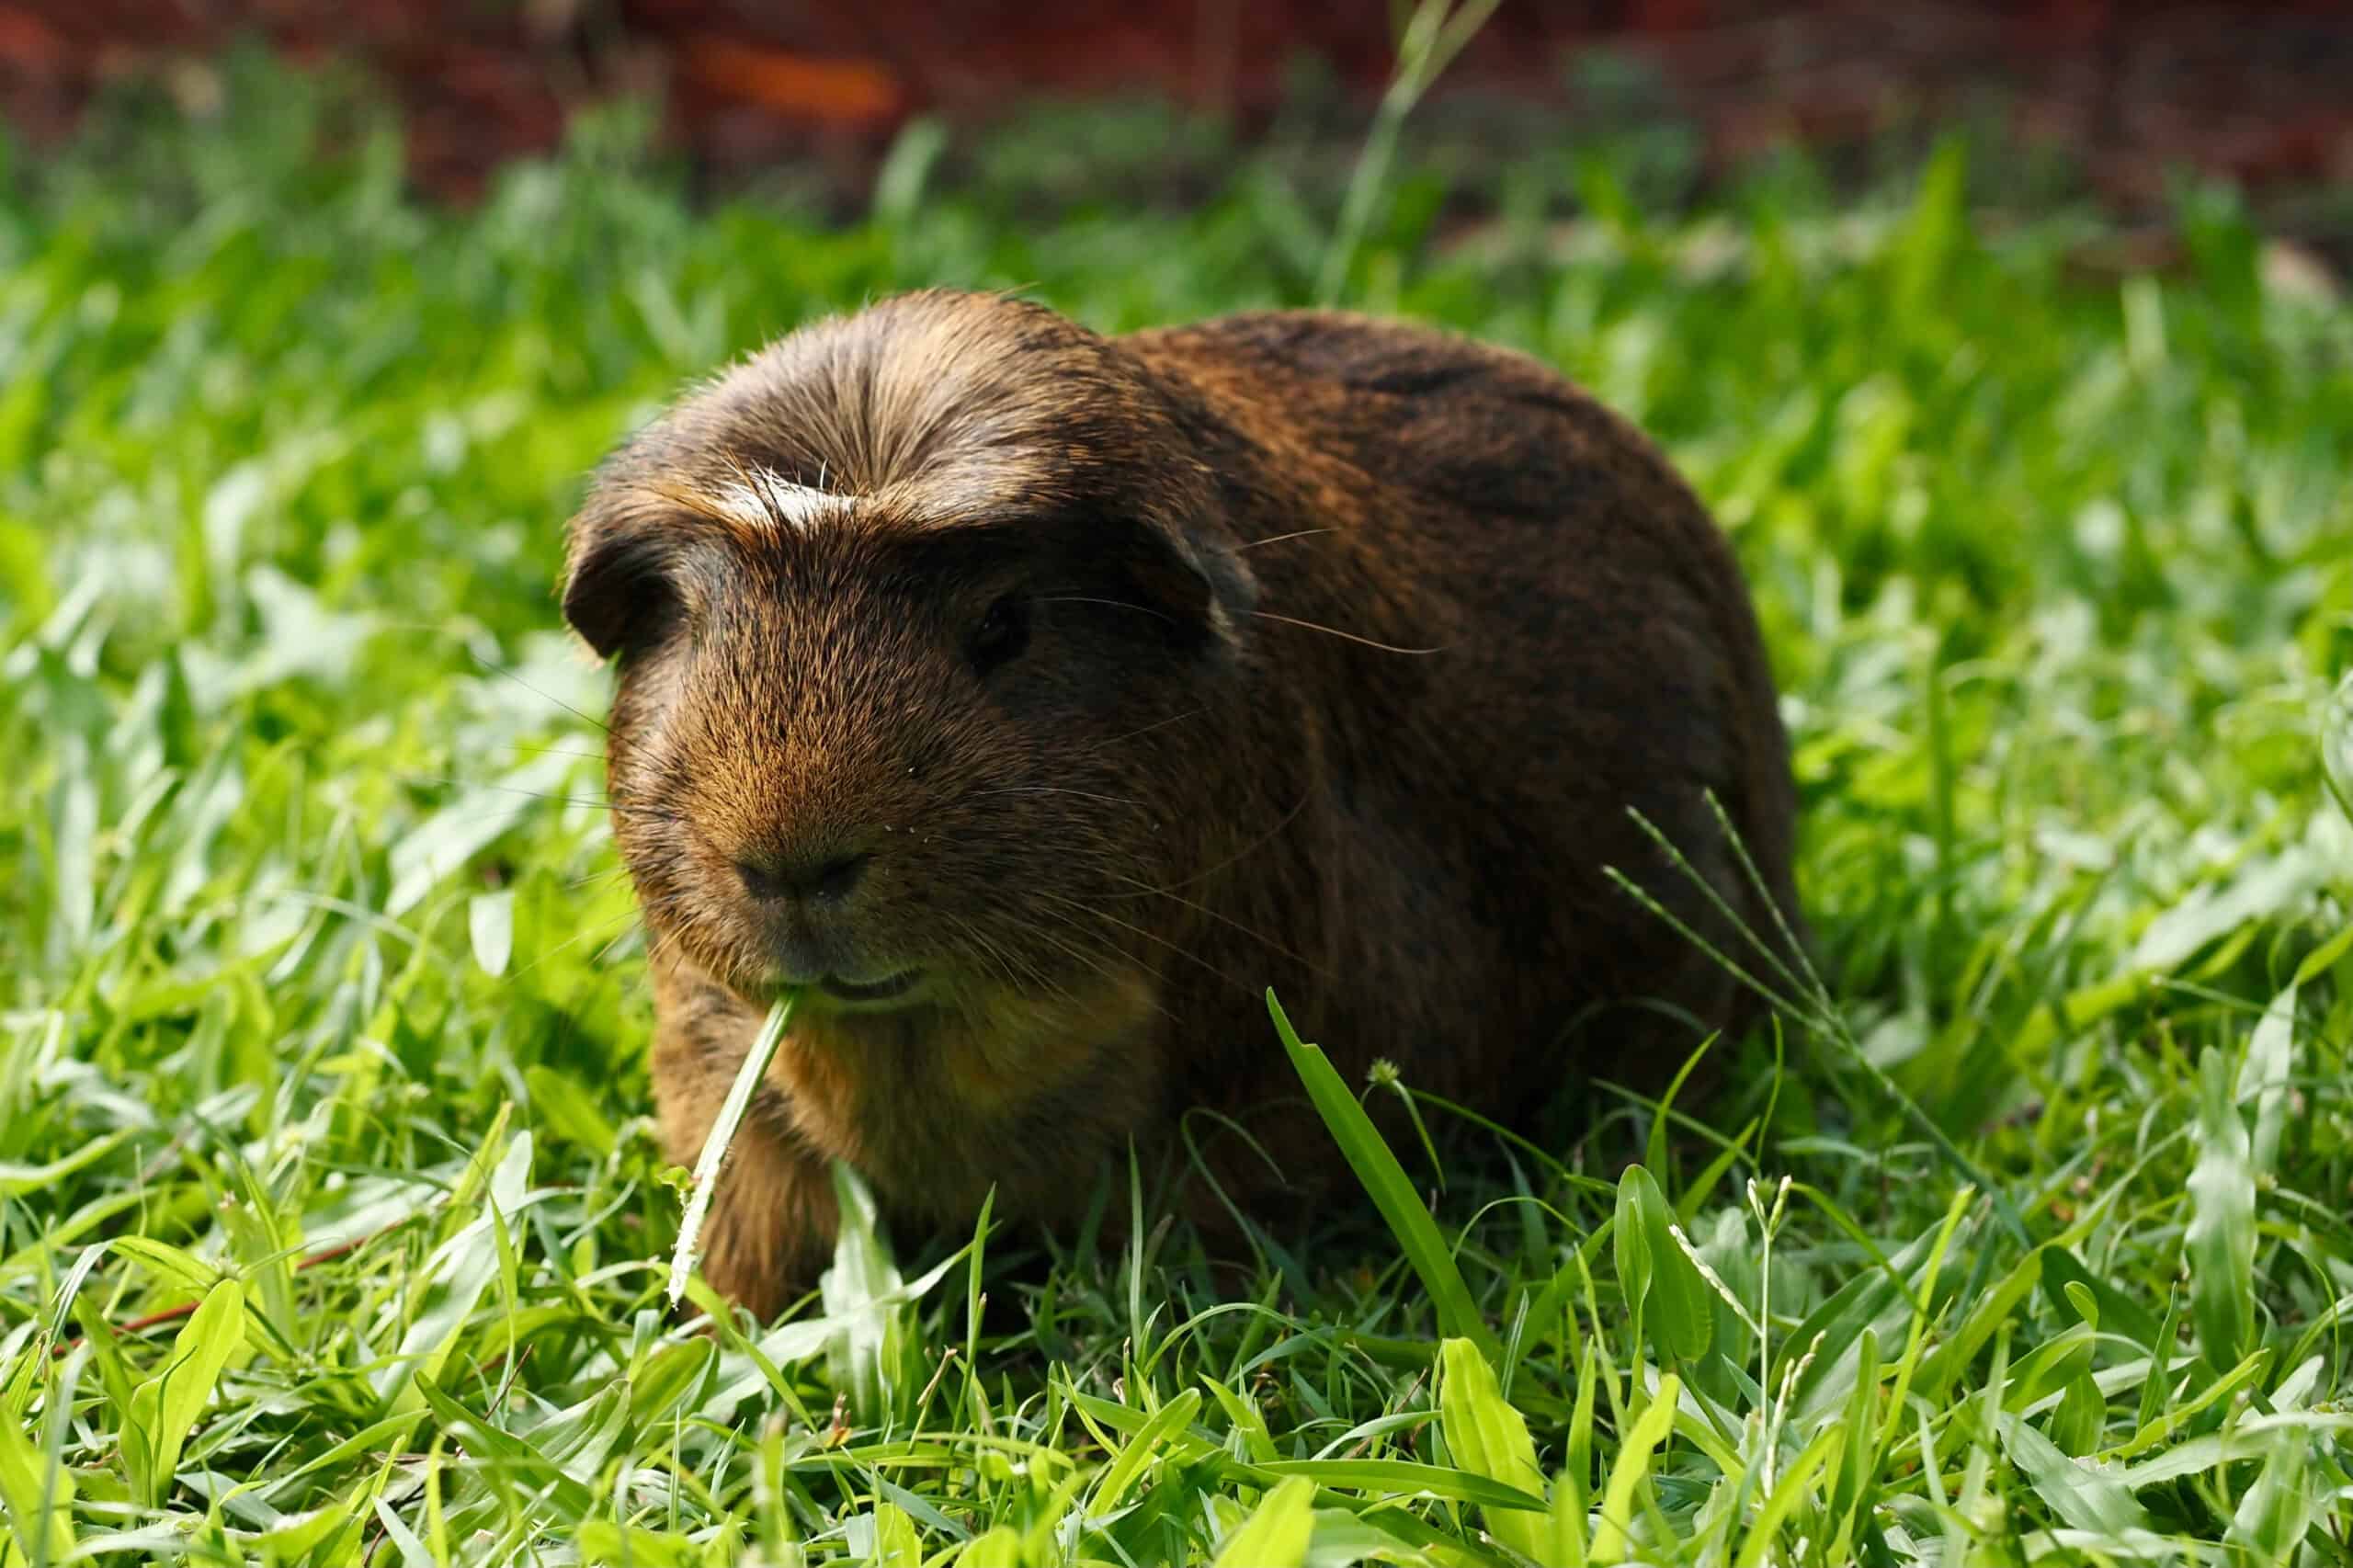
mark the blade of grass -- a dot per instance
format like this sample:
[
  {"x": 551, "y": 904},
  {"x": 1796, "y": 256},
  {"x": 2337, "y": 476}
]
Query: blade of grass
[
  {"x": 723, "y": 1135},
  {"x": 1392, "y": 1191}
]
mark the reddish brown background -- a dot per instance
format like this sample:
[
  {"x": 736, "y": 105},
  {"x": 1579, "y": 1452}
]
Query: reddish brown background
[{"x": 2261, "y": 91}]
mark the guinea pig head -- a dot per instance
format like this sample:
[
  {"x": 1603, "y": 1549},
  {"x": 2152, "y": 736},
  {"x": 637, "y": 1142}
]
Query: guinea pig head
[{"x": 915, "y": 613}]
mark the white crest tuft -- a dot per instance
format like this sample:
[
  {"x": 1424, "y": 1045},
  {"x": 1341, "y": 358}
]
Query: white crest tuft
[{"x": 762, "y": 500}]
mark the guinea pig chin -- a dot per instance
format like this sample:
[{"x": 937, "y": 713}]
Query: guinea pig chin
[{"x": 825, "y": 954}]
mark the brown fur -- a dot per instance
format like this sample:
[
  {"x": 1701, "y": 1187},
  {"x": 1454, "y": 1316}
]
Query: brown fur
[{"x": 1350, "y": 646}]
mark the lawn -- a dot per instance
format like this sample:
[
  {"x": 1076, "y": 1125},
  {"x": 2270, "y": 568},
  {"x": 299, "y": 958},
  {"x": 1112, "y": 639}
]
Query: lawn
[{"x": 322, "y": 1012}]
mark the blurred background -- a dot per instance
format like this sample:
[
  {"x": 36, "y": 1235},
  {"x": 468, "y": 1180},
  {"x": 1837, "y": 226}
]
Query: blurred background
[{"x": 2125, "y": 96}]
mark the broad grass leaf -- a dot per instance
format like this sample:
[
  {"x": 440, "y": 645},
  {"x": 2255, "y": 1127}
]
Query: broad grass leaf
[
  {"x": 72, "y": 846},
  {"x": 2276, "y": 1511},
  {"x": 165, "y": 1408},
  {"x": 1485, "y": 1434},
  {"x": 2081, "y": 1496},
  {"x": 1245, "y": 1419},
  {"x": 1570, "y": 1488},
  {"x": 1343, "y": 1538},
  {"x": 114, "y": 1369},
  {"x": 475, "y": 819},
  {"x": 863, "y": 1297},
  {"x": 577, "y": 1437},
  {"x": 43, "y": 1532},
  {"x": 2234, "y": 1445},
  {"x": 2264, "y": 1076},
  {"x": 1945, "y": 1365},
  {"x": 458, "y": 1273},
  {"x": 605, "y": 1544},
  {"x": 2050, "y": 1367},
  {"x": 297, "y": 1537},
  {"x": 569, "y": 1110},
  {"x": 1678, "y": 1308},
  {"x": 2064, "y": 1272},
  {"x": 1872, "y": 1300},
  {"x": 1632, "y": 1466},
  {"x": 1630, "y": 1242},
  {"x": 413, "y": 1552},
  {"x": 789, "y": 1344},
  {"x": 889, "y": 1538},
  {"x": 2156, "y": 1385},
  {"x": 1277, "y": 1532},
  {"x": 1167, "y": 1423},
  {"x": 1733, "y": 1296},
  {"x": 490, "y": 924},
  {"x": 2083, "y": 1412},
  {"x": 492, "y": 1446},
  {"x": 669, "y": 1376},
  {"x": 1565, "y": 1540},
  {"x": 20, "y": 1180},
  {"x": 1859, "y": 1460},
  {"x": 2264, "y": 885},
  {"x": 2337, "y": 744},
  {"x": 1790, "y": 1492},
  {"x": 2215, "y": 1390},
  {"x": 1392, "y": 1191},
  {"x": 1405, "y": 1478},
  {"x": 1936, "y": 229},
  {"x": 2221, "y": 1236},
  {"x": 998, "y": 1547},
  {"x": 2318, "y": 961}
]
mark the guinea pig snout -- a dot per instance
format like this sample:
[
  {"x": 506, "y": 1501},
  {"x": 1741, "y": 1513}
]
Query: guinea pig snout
[
  {"x": 822, "y": 874},
  {"x": 812, "y": 919}
]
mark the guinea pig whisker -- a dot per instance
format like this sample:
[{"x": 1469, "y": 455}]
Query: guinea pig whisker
[
  {"x": 594, "y": 932},
  {"x": 1109, "y": 604},
  {"x": 1148, "y": 935},
  {"x": 1095, "y": 965},
  {"x": 1277, "y": 539},
  {"x": 665, "y": 936},
  {"x": 1094, "y": 751},
  {"x": 612, "y": 805},
  {"x": 1258, "y": 937},
  {"x": 1097, "y": 950},
  {"x": 1094, "y": 961},
  {"x": 987, "y": 952},
  {"x": 1343, "y": 636},
  {"x": 993, "y": 959},
  {"x": 618, "y": 938},
  {"x": 1056, "y": 789},
  {"x": 1161, "y": 724},
  {"x": 527, "y": 686},
  {"x": 1243, "y": 853},
  {"x": 519, "y": 747},
  {"x": 646, "y": 814}
]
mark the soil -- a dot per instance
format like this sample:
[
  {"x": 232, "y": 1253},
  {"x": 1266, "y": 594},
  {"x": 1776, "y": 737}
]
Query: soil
[{"x": 2130, "y": 93}]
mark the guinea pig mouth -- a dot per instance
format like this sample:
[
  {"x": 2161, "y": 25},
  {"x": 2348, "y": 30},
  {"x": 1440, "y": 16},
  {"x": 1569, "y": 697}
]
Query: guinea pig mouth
[{"x": 889, "y": 989}]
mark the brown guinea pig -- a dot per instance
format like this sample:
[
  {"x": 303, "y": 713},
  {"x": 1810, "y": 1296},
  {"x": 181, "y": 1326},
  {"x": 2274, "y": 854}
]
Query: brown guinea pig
[{"x": 1035, "y": 701}]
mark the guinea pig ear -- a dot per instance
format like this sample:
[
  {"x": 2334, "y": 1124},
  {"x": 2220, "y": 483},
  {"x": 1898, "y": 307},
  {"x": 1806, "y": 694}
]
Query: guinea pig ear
[
  {"x": 1197, "y": 581},
  {"x": 619, "y": 590}
]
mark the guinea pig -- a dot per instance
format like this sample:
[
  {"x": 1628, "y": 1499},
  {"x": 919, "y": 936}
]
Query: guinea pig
[{"x": 1034, "y": 700}]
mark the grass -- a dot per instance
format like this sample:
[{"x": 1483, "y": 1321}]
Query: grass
[{"x": 330, "y": 1227}]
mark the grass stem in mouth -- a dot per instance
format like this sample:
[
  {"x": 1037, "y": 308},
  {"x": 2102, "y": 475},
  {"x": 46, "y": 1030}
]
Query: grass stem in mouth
[{"x": 722, "y": 1133}]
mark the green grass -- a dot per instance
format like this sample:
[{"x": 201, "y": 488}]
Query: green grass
[{"x": 320, "y": 1004}]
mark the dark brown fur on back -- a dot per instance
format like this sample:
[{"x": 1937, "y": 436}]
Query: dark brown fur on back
[{"x": 1338, "y": 651}]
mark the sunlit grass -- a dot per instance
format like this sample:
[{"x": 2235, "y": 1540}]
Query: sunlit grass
[{"x": 330, "y": 1227}]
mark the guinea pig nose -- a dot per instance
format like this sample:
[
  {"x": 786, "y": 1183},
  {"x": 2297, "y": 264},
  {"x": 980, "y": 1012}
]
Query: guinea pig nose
[{"x": 821, "y": 878}]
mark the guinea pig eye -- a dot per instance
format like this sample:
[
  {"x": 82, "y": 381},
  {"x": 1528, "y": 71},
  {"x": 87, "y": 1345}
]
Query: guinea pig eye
[{"x": 1000, "y": 635}]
